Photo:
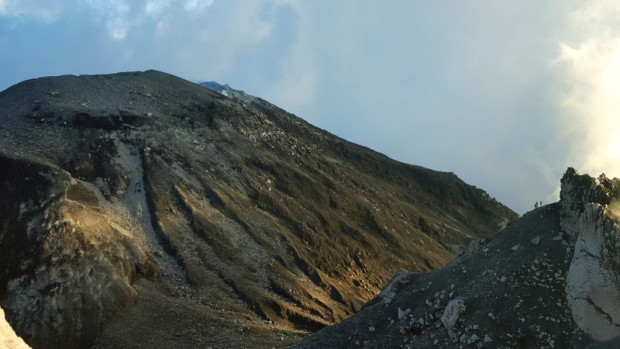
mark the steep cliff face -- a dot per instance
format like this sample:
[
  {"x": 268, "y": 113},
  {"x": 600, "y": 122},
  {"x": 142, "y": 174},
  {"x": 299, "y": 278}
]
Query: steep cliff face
[
  {"x": 590, "y": 216},
  {"x": 142, "y": 209},
  {"x": 550, "y": 279}
]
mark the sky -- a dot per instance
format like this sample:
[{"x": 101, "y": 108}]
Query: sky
[{"x": 506, "y": 94}]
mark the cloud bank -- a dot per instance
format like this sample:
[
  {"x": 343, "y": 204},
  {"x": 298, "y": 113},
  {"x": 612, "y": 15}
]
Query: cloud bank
[{"x": 590, "y": 103}]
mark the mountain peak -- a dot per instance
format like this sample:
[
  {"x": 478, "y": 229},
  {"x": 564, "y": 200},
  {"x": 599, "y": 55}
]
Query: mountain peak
[{"x": 138, "y": 206}]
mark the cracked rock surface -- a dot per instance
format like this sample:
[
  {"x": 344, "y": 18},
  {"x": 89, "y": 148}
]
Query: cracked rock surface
[
  {"x": 143, "y": 210},
  {"x": 590, "y": 216},
  {"x": 548, "y": 280}
]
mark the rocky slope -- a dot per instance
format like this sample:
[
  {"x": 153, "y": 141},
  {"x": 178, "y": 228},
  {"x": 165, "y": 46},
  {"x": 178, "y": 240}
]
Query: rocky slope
[
  {"x": 139, "y": 209},
  {"x": 549, "y": 280}
]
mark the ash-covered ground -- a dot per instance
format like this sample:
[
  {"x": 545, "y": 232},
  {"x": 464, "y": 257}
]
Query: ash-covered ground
[{"x": 548, "y": 280}]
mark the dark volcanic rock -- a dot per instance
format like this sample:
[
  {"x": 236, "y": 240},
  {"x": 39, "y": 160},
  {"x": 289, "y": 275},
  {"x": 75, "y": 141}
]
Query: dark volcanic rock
[
  {"x": 139, "y": 209},
  {"x": 548, "y": 280}
]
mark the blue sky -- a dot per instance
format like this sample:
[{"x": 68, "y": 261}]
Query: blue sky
[{"x": 506, "y": 94}]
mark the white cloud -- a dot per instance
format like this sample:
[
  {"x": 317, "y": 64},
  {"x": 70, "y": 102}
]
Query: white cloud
[
  {"x": 161, "y": 27},
  {"x": 295, "y": 86},
  {"x": 47, "y": 12},
  {"x": 197, "y": 5},
  {"x": 122, "y": 16},
  {"x": 218, "y": 40},
  {"x": 591, "y": 73},
  {"x": 154, "y": 8},
  {"x": 118, "y": 28},
  {"x": 116, "y": 14}
]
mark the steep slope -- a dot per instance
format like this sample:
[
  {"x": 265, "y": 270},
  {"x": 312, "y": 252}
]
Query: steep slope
[
  {"x": 548, "y": 280},
  {"x": 142, "y": 209}
]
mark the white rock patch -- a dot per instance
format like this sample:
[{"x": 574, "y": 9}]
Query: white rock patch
[
  {"x": 591, "y": 287},
  {"x": 8, "y": 338},
  {"x": 451, "y": 313}
]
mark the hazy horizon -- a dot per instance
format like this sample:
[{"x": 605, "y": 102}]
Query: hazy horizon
[{"x": 505, "y": 95}]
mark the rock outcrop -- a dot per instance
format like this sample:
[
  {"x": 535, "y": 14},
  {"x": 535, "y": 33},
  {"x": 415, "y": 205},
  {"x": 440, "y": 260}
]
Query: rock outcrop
[
  {"x": 590, "y": 216},
  {"x": 143, "y": 210},
  {"x": 547, "y": 280}
]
